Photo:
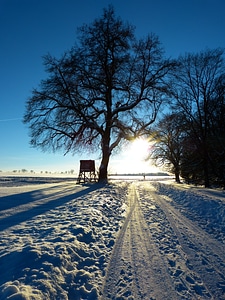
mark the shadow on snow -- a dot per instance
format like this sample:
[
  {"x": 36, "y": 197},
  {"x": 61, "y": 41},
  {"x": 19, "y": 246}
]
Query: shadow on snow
[{"x": 18, "y": 208}]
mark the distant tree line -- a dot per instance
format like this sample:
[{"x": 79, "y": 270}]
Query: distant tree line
[
  {"x": 111, "y": 87},
  {"x": 41, "y": 172}
]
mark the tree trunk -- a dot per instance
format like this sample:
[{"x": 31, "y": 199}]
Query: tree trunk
[
  {"x": 103, "y": 170},
  {"x": 205, "y": 168},
  {"x": 206, "y": 175},
  {"x": 177, "y": 176},
  {"x": 177, "y": 172}
]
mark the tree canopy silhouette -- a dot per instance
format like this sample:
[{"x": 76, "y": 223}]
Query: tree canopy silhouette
[
  {"x": 190, "y": 139},
  {"x": 197, "y": 98},
  {"x": 106, "y": 88}
]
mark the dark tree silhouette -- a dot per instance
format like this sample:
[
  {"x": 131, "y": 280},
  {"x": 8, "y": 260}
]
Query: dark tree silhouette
[
  {"x": 107, "y": 88},
  {"x": 196, "y": 83},
  {"x": 168, "y": 136}
]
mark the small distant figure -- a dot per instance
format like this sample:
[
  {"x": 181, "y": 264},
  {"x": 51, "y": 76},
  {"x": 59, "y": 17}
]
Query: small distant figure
[{"x": 144, "y": 176}]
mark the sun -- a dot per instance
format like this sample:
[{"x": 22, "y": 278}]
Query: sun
[
  {"x": 132, "y": 160},
  {"x": 138, "y": 149}
]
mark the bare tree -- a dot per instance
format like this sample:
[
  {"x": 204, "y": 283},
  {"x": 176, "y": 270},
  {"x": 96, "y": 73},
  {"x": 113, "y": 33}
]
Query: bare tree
[
  {"x": 195, "y": 89},
  {"x": 168, "y": 136},
  {"x": 107, "y": 88}
]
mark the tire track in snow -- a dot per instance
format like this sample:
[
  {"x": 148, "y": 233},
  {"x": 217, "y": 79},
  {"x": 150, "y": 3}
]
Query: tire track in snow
[
  {"x": 196, "y": 261},
  {"x": 136, "y": 269},
  {"x": 204, "y": 255}
]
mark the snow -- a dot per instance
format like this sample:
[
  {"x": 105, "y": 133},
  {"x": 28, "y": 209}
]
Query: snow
[{"x": 130, "y": 239}]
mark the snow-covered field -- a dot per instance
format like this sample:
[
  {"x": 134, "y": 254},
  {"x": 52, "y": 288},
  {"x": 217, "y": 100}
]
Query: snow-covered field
[{"x": 125, "y": 240}]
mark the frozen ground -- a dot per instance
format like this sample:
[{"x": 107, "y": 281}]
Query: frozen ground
[{"x": 126, "y": 240}]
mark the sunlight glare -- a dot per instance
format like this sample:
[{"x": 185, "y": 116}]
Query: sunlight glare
[
  {"x": 138, "y": 149},
  {"x": 132, "y": 160}
]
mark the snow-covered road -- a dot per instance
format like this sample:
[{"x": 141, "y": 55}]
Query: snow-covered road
[
  {"x": 136, "y": 269},
  {"x": 195, "y": 260},
  {"x": 127, "y": 240},
  {"x": 161, "y": 254}
]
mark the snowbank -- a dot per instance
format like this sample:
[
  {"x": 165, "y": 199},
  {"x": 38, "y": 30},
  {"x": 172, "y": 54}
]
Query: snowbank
[
  {"x": 206, "y": 207},
  {"x": 61, "y": 248}
]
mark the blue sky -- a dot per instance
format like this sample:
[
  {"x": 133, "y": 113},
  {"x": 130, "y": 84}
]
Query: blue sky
[{"x": 30, "y": 29}]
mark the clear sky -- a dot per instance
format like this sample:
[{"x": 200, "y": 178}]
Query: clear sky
[{"x": 30, "y": 29}]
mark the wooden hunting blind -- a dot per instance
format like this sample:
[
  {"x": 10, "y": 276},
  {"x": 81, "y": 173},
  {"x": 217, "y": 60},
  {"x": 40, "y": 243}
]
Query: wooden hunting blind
[{"x": 87, "y": 171}]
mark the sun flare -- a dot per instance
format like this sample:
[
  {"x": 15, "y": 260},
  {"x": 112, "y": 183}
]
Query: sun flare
[
  {"x": 138, "y": 149},
  {"x": 132, "y": 160}
]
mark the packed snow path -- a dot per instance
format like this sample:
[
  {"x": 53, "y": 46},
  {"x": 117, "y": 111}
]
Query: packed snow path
[
  {"x": 126, "y": 240},
  {"x": 160, "y": 254},
  {"x": 136, "y": 269}
]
